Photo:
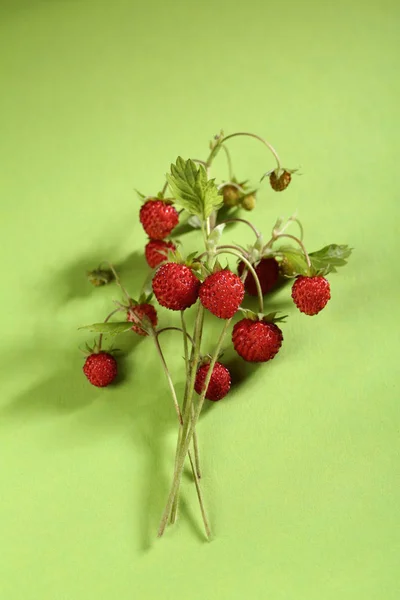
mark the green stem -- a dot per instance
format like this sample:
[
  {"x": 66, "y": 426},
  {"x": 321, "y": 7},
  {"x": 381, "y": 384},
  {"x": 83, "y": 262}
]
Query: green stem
[
  {"x": 252, "y": 271},
  {"x": 292, "y": 237},
  {"x": 192, "y": 462},
  {"x": 188, "y": 429},
  {"x": 256, "y": 137},
  {"x": 257, "y": 233},
  {"x": 229, "y": 160},
  {"x": 187, "y": 406}
]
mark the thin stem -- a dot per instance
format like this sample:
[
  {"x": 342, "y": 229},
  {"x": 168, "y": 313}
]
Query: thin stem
[
  {"x": 165, "y": 187},
  {"x": 230, "y": 183},
  {"x": 229, "y": 159},
  {"x": 188, "y": 430},
  {"x": 260, "y": 139},
  {"x": 118, "y": 282},
  {"x": 252, "y": 271},
  {"x": 168, "y": 376},
  {"x": 188, "y": 336},
  {"x": 108, "y": 317},
  {"x": 186, "y": 350},
  {"x": 255, "y": 230},
  {"x": 192, "y": 463},
  {"x": 200, "y": 162},
  {"x": 293, "y": 237}
]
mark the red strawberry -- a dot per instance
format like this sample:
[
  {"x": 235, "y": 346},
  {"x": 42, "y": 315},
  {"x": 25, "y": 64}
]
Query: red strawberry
[
  {"x": 267, "y": 271},
  {"x": 222, "y": 293},
  {"x": 280, "y": 182},
  {"x": 256, "y": 341},
  {"x": 311, "y": 294},
  {"x": 138, "y": 312},
  {"x": 100, "y": 368},
  {"x": 156, "y": 252},
  {"x": 158, "y": 218},
  {"x": 175, "y": 286},
  {"x": 220, "y": 382}
]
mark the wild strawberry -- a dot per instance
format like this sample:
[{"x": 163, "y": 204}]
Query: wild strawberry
[
  {"x": 175, "y": 286},
  {"x": 222, "y": 293},
  {"x": 249, "y": 202},
  {"x": 156, "y": 252},
  {"x": 158, "y": 218},
  {"x": 139, "y": 312},
  {"x": 100, "y": 369},
  {"x": 267, "y": 272},
  {"x": 231, "y": 195},
  {"x": 311, "y": 294},
  {"x": 280, "y": 179},
  {"x": 256, "y": 341},
  {"x": 220, "y": 381}
]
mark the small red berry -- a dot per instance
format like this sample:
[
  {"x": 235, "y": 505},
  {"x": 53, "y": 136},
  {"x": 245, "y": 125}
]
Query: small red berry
[
  {"x": 158, "y": 218},
  {"x": 222, "y": 293},
  {"x": 256, "y": 341},
  {"x": 100, "y": 369},
  {"x": 280, "y": 183},
  {"x": 311, "y": 294},
  {"x": 156, "y": 252},
  {"x": 220, "y": 381},
  {"x": 175, "y": 286},
  {"x": 267, "y": 271},
  {"x": 138, "y": 312}
]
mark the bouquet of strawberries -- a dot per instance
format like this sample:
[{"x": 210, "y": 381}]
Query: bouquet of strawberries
[{"x": 199, "y": 280}]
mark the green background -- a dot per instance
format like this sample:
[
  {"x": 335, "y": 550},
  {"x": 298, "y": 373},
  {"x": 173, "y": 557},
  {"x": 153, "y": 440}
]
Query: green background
[{"x": 301, "y": 461}]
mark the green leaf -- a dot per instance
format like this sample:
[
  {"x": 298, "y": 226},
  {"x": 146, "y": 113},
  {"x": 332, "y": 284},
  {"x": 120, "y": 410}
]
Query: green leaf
[
  {"x": 192, "y": 190},
  {"x": 111, "y": 328},
  {"x": 215, "y": 236},
  {"x": 330, "y": 257}
]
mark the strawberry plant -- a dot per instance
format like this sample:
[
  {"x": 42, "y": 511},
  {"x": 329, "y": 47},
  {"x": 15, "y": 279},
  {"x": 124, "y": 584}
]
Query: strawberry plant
[{"x": 200, "y": 283}]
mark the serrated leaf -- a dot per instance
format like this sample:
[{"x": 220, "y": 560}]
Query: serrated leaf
[
  {"x": 329, "y": 258},
  {"x": 192, "y": 190},
  {"x": 110, "y": 328}
]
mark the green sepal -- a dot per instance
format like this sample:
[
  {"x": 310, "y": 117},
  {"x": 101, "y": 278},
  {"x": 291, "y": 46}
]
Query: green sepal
[
  {"x": 110, "y": 328},
  {"x": 215, "y": 236},
  {"x": 141, "y": 196},
  {"x": 272, "y": 318},
  {"x": 192, "y": 190},
  {"x": 293, "y": 262}
]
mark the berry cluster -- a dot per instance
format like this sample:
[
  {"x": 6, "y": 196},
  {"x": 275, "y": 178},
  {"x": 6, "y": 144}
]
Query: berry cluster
[{"x": 180, "y": 282}]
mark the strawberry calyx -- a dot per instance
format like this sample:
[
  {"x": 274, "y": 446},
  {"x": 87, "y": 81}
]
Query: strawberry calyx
[
  {"x": 271, "y": 317},
  {"x": 98, "y": 277}
]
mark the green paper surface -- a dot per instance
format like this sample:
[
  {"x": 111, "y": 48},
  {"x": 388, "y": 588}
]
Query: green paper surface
[{"x": 301, "y": 475}]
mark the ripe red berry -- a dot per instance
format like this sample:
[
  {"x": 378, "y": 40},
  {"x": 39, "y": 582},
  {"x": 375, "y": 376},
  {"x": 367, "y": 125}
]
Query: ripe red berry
[
  {"x": 256, "y": 341},
  {"x": 100, "y": 369},
  {"x": 158, "y": 218},
  {"x": 220, "y": 381},
  {"x": 138, "y": 312},
  {"x": 311, "y": 294},
  {"x": 280, "y": 183},
  {"x": 175, "y": 286},
  {"x": 267, "y": 271},
  {"x": 222, "y": 293},
  {"x": 156, "y": 252}
]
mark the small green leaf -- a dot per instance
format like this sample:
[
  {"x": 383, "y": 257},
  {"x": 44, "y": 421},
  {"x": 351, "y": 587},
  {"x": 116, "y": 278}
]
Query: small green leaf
[
  {"x": 194, "y": 222},
  {"x": 111, "y": 328},
  {"x": 192, "y": 190},
  {"x": 329, "y": 258}
]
